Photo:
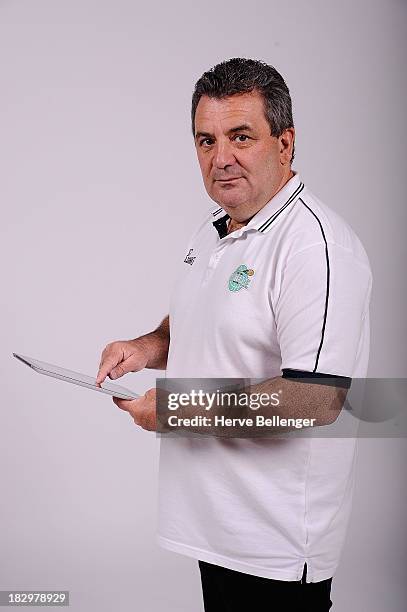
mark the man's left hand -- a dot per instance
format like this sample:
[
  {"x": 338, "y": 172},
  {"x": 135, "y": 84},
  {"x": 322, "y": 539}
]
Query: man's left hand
[{"x": 142, "y": 409}]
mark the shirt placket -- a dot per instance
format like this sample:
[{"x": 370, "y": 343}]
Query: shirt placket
[{"x": 215, "y": 258}]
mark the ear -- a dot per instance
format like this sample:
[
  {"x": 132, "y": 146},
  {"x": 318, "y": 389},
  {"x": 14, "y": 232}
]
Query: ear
[{"x": 286, "y": 144}]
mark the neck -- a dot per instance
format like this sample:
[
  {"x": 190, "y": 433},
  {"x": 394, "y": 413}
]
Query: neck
[{"x": 235, "y": 225}]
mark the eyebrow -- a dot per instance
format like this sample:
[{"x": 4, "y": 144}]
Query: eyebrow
[{"x": 239, "y": 128}]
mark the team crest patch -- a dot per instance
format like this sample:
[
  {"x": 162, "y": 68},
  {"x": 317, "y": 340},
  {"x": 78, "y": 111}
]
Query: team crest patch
[{"x": 240, "y": 278}]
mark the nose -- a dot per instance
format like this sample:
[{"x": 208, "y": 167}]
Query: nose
[{"x": 223, "y": 154}]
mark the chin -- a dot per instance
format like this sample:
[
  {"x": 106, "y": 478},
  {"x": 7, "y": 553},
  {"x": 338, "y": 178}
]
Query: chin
[
  {"x": 229, "y": 202},
  {"x": 230, "y": 206}
]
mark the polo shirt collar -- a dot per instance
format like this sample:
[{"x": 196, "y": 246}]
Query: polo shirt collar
[{"x": 263, "y": 220}]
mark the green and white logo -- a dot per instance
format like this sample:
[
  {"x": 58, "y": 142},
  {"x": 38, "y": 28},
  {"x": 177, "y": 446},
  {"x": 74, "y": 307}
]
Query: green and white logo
[{"x": 240, "y": 278}]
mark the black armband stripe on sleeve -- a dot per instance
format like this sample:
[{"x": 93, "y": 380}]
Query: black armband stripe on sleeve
[{"x": 319, "y": 378}]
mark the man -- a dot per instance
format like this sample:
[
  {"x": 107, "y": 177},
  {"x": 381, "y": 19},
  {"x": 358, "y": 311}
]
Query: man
[{"x": 274, "y": 286}]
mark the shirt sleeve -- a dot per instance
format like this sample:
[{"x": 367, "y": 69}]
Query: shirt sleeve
[{"x": 321, "y": 310}]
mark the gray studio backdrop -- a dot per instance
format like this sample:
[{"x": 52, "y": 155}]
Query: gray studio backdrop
[{"x": 99, "y": 192}]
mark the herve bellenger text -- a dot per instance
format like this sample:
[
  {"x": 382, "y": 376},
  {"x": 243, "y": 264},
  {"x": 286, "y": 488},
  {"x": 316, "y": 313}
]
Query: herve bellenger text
[{"x": 222, "y": 421}]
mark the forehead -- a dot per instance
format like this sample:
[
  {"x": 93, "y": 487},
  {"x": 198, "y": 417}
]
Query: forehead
[{"x": 247, "y": 108}]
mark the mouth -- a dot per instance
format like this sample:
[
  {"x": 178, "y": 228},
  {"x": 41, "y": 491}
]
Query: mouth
[{"x": 236, "y": 178}]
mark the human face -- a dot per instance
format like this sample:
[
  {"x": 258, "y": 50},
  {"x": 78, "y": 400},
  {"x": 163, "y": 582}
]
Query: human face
[{"x": 242, "y": 165}]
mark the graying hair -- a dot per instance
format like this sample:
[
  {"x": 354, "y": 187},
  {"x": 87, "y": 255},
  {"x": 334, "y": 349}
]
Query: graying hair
[{"x": 239, "y": 75}]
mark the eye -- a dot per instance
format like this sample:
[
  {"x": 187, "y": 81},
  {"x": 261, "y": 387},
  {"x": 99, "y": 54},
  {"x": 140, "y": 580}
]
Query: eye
[
  {"x": 242, "y": 136},
  {"x": 201, "y": 142}
]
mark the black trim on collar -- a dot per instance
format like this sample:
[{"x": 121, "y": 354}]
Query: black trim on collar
[
  {"x": 264, "y": 226},
  {"x": 221, "y": 225},
  {"x": 331, "y": 380},
  {"x": 216, "y": 212},
  {"x": 328, "y": 273}
]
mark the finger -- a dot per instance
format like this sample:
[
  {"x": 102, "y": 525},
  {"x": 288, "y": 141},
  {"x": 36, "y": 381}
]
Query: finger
[
  {"x": 120, "y": 369},
  {"x": 106, "y": 368},
  {"x": 129, "y": 406},
  {"x": 100, "y": 375},
  {"x": 121, "y": 403}
]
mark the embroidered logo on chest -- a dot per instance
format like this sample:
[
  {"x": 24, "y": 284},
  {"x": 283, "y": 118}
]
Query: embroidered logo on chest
[{"x": 240, "y": 278}]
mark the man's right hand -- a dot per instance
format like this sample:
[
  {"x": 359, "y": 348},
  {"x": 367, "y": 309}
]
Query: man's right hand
[{"x": 120, "y": 357}]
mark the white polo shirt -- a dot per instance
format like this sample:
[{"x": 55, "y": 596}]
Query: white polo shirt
[{"x": 266, "y": 506}]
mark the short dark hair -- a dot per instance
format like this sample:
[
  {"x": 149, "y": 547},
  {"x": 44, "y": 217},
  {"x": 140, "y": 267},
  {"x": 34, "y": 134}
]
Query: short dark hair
[{"x": 240, "y": 75}]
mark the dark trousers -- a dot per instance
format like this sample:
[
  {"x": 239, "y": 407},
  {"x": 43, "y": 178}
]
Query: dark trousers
[{"x": 226, "y": 590}]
